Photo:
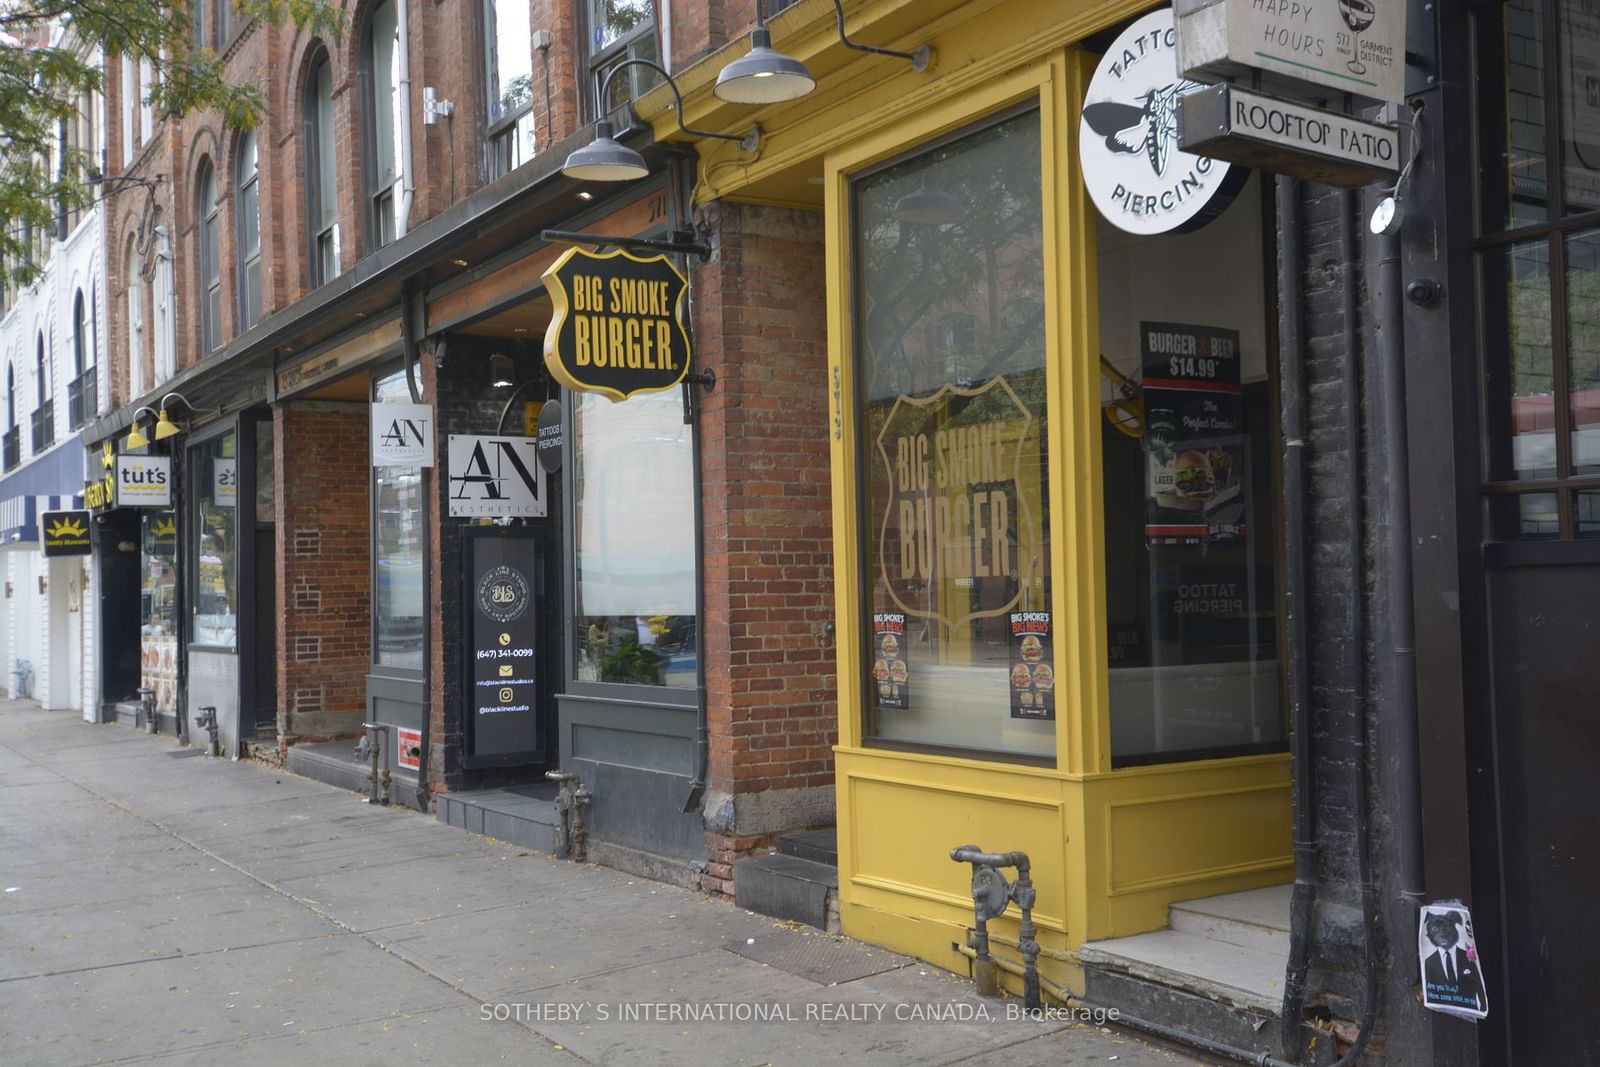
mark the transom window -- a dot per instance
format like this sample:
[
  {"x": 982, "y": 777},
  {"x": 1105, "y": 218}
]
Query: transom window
[{"x": 1539, "y": 267}]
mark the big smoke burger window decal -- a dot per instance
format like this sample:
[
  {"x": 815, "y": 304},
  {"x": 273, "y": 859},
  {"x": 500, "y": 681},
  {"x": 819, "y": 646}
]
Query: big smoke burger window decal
[{"x": 1128, "y": 138}]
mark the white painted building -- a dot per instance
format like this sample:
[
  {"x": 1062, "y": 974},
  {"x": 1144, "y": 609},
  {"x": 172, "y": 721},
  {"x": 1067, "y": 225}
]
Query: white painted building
[{"x": 53, "y": 379}]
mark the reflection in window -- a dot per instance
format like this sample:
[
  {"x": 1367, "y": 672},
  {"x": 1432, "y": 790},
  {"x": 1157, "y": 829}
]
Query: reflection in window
[
  {"x": 620, "y": 30},
  {"x": 508, "y": 84},
  {"x": 951, "y": 355},
  {"x": 1583, "y": 348},
  {"x": 633, "y": 499},
  {"x": 216, "y": 619},
  {"x": 397, "y": 605},
  {"x": 158, "y": 605},
  {"x": 1190, "y": 501}
]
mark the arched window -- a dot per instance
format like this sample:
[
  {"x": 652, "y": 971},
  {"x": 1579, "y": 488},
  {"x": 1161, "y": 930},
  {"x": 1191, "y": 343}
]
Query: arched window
[
  {"x": 81, "y": 356},
  {"x": 210, "y": 265},
  {"x": 44, "y": 423},
  {"x": 247, "y": 216},
  {"x": 322, "y": 209},
  {"x": 12, "y": 442},
  {"x": 135, "y": 284},
  {"x": 82, "y": 392},
  {"x": 380, "y": 67},
  {"x": 162, "y": 326}
]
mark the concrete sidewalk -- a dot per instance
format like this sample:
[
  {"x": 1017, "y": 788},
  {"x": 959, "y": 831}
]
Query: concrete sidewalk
[{"x": 160, "y": 905}]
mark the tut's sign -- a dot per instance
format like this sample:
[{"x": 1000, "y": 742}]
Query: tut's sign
[
  {"x": 65, "y": 533},
  {"x": 618, "y": 323},
  {"x": 131, "y": 482},
  {"x": 144, "y": 481}
]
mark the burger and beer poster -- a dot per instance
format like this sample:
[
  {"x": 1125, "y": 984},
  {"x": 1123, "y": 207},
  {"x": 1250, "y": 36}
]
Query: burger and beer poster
[
  {"x": 1195, "y": 437},
  {"x": 1033, "y": 672},
  {"x": 889, "y": 670}
]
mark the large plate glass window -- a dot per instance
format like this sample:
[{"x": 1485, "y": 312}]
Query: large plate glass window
[
  {"x": 633, "y": 531},
  {"x": 215, "y": 618},
  {"x": 1539, "y": 266},
  {"x": 1190, "y": 493},
  {"x": 950, "y": 355},
  {"x": 158, "y": 604},
  {"x": 397, "y": 603}
]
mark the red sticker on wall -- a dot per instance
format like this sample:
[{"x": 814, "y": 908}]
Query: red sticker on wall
[{"x": 410, "y": 754}]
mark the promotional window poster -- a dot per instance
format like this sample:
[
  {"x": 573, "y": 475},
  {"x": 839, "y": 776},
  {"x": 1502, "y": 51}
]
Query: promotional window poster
[
  {"x": 889, "y": 668},
  {"x": 1033, "y": 672},
  {"x": 1447, "y": 951},
  {"x": 1195, "y": 439}
]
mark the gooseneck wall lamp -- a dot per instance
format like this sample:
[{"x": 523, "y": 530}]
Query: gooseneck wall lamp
[
  {"x": 762, "y": 75},
  {"x": 136, "y": 437},
  {"x": 604, "y": 160}
]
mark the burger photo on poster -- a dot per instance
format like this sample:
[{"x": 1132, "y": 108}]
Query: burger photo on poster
[{"x": 1192, "y": 475}]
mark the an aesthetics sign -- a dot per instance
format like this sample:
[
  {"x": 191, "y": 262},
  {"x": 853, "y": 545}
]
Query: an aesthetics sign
[
  {"x": 1132, "y": 167},
  {"x": 1352, "y": 46}
]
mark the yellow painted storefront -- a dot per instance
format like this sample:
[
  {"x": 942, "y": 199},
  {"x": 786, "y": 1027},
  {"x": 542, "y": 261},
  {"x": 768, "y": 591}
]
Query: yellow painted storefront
[{"x": 1110, "y": 849}]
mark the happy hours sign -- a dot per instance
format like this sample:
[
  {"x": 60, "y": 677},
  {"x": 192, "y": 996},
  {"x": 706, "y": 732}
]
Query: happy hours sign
[{"x": 618, "y": 323}]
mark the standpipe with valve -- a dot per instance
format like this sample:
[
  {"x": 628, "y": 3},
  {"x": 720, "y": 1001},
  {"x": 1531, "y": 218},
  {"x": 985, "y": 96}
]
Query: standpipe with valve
[
  {"x": 991, "y": 894},
  {"x": 572, "y": 833},
  {"x": 378, "y": 780}
]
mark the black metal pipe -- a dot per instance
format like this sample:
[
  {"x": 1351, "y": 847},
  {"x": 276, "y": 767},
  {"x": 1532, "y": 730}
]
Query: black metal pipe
[
  {"x": 408, "y": 341},
  {"x": 1407, "y": 761},
  {"x": 1291, "y": 346},
  {"x": 1350, "y": 217},
  {"x": 683, "y": 209}
]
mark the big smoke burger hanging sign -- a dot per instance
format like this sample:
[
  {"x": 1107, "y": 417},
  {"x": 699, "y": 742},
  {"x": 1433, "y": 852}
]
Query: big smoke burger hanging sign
[
  {"x": 617, "y": 327},
  {"x": 1128, "y": 138}
]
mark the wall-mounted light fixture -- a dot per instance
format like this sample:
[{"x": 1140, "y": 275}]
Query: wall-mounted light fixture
[
  {"x": 165, "y": 427},
  {"x": 763, "y": 75},
  {"x": 604, "y": 160},
  {"x": 502, "y": 372},
  {"x": 920, "y": 59},
  {"x": 136, "y": 437}
]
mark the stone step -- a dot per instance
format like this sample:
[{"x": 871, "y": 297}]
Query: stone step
[
  {"x": 1257, "y": 918},
  {"x": 789, "y": 887},
  {"x": 330, "y": 762},
  {"x": 525, "y": 817},
  {"x": 819, "y": 846},
  {"x": 1243, "y": 978}
]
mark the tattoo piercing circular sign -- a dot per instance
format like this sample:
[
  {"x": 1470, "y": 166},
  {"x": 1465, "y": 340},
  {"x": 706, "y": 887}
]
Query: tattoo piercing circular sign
[
  {"x": 617, "y": 327},
  {"x": 1128, "y": 138}
]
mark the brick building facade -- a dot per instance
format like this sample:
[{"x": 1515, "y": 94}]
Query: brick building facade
[{"x": 706, "y": 565}]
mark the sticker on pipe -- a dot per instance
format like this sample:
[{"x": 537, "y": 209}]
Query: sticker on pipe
[{"x": 1128, "y": 138}]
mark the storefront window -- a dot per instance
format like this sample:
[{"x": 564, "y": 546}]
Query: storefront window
[
  {"x": 216, "y": 603},
  {"x": 1190, "y": 497},
  {"x": 949, "y": 287},
  {"x": 633, "y": 501},
  {"x": 397, "y": 547},
  {"x": 158, "y": 605}
]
